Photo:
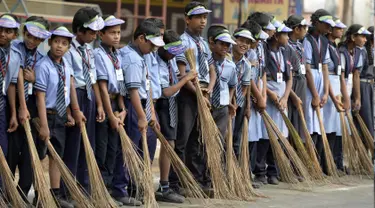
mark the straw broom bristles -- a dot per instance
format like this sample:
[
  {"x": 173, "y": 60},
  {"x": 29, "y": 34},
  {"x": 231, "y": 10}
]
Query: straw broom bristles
[
  {"x": 330, "y": 163},
  {"x": 301, "y": 150},
  {"x": 368, "y": 139},
  {"x": 186, "y": 178},
  {"x": 298, "y": 165},
  {"x": 9, "y": 186},
  {"x": 364, "y": 159},
  {"x": 310, "y": 147},
  {"x": 45, "y": 198},
  {"x": 283, "y": 163},
  {"x": 2, "y": 202},
  {"x": 211, "y": 139},
  {"x": 76, "y": 192}
]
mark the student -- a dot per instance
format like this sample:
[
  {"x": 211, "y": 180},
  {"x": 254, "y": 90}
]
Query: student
[
  {"x": 35, "y": 31},
  {"x": 317, "y": 57},
  {"x": 337, "y": 90},
  {"x": 86, "y": 24},
  {"x": 56, "y": 102},
  {"x": 264, "y": 20},
  {"x": 10, "y": 63},
  {"x": 112, "y": 91},
  {"x": 243, "y": 68},
  {"x": 187, "y": 145},
  {"x": 279, "y": 84},
  {"x": 166, "y": 107},
  {"x": 147, "y": 38},
  {"x": 298, "y": 94}
]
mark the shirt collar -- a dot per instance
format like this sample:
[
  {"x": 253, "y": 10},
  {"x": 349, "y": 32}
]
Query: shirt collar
[
  {"x": 77, "y": 45},
  {"x": 107, "y": 48},
  {"x": 195, "y": 37},
  {"x": 135, "y": 48}
]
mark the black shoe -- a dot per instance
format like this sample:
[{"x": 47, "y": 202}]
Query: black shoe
[
  {"x": 128, "y": 201},
  {"x": 178, "y": 190},
  {"x": 260, "y": 179},
  {"x": 169, "y": 196},
  {"x": 256, "y": 185},
  {"x": 273, "y": 180}
]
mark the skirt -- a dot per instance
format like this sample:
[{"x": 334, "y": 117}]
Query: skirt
[
  {"x": 255, "y": 126},
  {"x": 310, "y": 114},
  {"x": 331, "y": 116},
  {"x": 273, "y": 111}
]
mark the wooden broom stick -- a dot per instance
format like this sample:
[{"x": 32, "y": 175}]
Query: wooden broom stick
[
  {"x": 368, "y": 138},
  {"x": 75, "y": 190},
  {"x": 45, "y": 198},
  {"x": 9, "y": 186}
]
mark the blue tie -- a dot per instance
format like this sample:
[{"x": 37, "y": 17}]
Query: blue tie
[
  {"x": 216, "y": 91},
  {"x": 203, "y": 70},
  {"x": 29, "y": 62},
  {"x": 2, "y": 80},
  {"x": 121, "y": 84},
  {"x": 172, "y": 99},
  {"x": 86, "y": 73},
  {"x": 240, "y": 97},
  {"x": 60, "y": 100}
]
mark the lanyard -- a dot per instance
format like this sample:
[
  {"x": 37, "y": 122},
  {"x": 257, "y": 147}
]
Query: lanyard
[
  {"x": 352, "y": 61},
  {"x": 222, "y": 69},
  {"x": 114, "y": 62},
  {"x": 318, "y": 46},
  {"x": 239, "y": 73},
  {"x": 277, "y": 61},
  {"x": 4, "y": 69},
  {"x": 87, "y": 62},
  {"x": 62, "y": 76},
  {"x": 336, "y": 53}
]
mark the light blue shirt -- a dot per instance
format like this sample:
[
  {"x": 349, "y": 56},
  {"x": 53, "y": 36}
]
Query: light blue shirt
[
  {"x": 74, "y": 58},
  {"x": 135, "y": 69},
  {"x": 309, "y": 50},
  {"x": 278, "y": 56},
  {"x": 243, "y": 68},
  {"x": 47, "y": 80},
  {"x": 189, "y": 42},
  {"x": 228, "y": 79},
  {"x": 106, "y": 70},
  {"x": 14, "y": 57},
  {"x": 168, "y": 76},
  {"x": 152, "y": 65},
  {"x": 20, "y": 45},
  {"x": 359, "y": 63}
]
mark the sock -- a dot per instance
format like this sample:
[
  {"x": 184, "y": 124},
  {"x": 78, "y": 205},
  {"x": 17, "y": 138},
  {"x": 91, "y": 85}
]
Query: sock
[
  {"x": 164, "y": 186},
  {"x": 56, "y": 191}
]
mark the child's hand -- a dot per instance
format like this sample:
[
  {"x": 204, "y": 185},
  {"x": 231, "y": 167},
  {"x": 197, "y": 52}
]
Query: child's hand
[
  {"x": 44, "y": 133},
  {"x": 70, "y": 121},
  {"x": 315, "y": 101},
  {"x": 23, "y": 115},
  {"x": 346, "y": 104},
  {"x": 13, "y": 124},
  {"x": 29, "y": 75},
  {"x": 100, "y": 117},
  {"x": 79, "y": 117},
  {"x": 248, "y": 112},
  {"x": 296, "y": 101},
  {"x": 324, "y": 100},
  {"x": 261, "y": 104},
  {"x": 357, "y": 105},
  {"x": 121, "y": 117},
  {"x": 114, "y": 122},
  {"x": 192, "y": 75},
  {"x": 142, "y": 124},
  {"x": 283, "y": 103},
  {"x": 338, "y": 104},
  {"x": 232, "y": 110}
]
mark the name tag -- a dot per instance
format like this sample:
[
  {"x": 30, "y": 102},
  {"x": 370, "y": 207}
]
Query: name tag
[
  {"x": 279, "y": 77},
  {"x": 66, "y": 91},
  {"x": 30, "y": 88},
  {"x": 92, "y": 77},
  {"x": 320, "y": 68},
  {"x": 339, "y": 70},
  {"x": 148, "y": 85},
  {"x": 208, "y": 68},
  {"x": 4, "y": 87},
  {"x": 119, "y": 75},
  {"x": 350, "y": 79},
  {"x": 303, "y": 69}
]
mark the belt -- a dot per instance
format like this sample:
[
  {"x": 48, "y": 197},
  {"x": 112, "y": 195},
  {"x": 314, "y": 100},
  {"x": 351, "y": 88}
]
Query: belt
[
  {"x": 296, "y": 74},
  {"x": 51, "y": 111},
  {"x": 333, "y": 73},
  {"x": 371, "y": 81},
  {"x": 113, "y": 96}
]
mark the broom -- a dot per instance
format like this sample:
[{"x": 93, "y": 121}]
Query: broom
[
  {"x": 9, "y": 186},
  {"x": 298, "y": 165},
  {"x": 364, "y": 159},
  {"x": 283, "y": 163},
  {"x": 2, "y": 202},
  {"x": 76, "y": 192},
  {"x": 368, "y": 139},
  {"x": 330, "y": 163},
  {"x": 185, "y": 176},
  {"x": 45, "y": 198},
  {"x": 211, "y": 139},
  {"x": 310, "y": 147},
  {"x": 300, "y": 148}
]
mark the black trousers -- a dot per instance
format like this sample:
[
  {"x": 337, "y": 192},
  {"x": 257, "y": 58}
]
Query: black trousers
[
  {"x": 265, "y": 156},
  {"x": 335, "y": 144},
  {"x": 299, "y": 87},
  {"x": 367, "y": 107},
  {"x": 237, "y": 130},
  {"x": 253, "y": 155}
]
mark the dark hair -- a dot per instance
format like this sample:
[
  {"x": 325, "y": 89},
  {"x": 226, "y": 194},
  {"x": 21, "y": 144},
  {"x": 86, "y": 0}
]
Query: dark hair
[
  {"x": 261, "y": 18},
  {"x": 37, "y": 19},
  {"x": 215, "y": 29},
  {"x": 15, "y": 18},
  {"x": 157, "y": 22},
  {"x": 146, "y": 28},
  {"x": 370, "y": 38},
  {"x": 54, "y": 36},
  {"x": 191, "y": 5},
  {"x": 349, "y": 32},
  {"x": 171, "y": 36},
  {"x": 317, "y": 14},
  {"x": 82, "y": 16},
  {"x": 252, "y": 26}
]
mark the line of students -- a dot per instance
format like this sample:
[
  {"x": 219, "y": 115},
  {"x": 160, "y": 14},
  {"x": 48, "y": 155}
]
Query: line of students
[{"x": 286, "y": 65}]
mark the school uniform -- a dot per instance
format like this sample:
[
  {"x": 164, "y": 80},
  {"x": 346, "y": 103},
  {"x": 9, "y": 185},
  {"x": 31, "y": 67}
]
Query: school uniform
[
  {"x": 243, "y": 70},
  {"x": 299, "y": 85},
  {"x": 108, "y": 149},
  {"x": 187, "y": 145},
  {"x": 19, "y": 150},
  {"x": 166, "y": 107},
  {"x": 81, "y": 58},
  {"x": 137, "y": 76}
]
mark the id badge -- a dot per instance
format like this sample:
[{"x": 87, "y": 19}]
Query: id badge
[
  {"x": 148, "y": 85},
  {"x": 30, "y": 89},
  {"x": 206, "y": 62},
  {"x": 339, "y": 70},
  {"x": 320, "y": 67},
  {"x": 65, "y": 91},
  {"x": 4, "y": 87},
  {"x": 92, "y": 77},
  {"x": 119, "y": 75},
  {"x": 303, "y": 69},
  {"x": 279, "y": 77},
  {"x": 350, "y": 79}
]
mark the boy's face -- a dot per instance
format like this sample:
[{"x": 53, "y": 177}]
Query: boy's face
[
  {"x": 220, "y": 48},
  {"x": 282, "y": 38},
  {"x": 196, "y": 23},
  {"x": 270, "y": 33},
  {"x": 145, "y": 45},
  {"x": 301, "y": 31},
  {"x": 6, "y": 36},
  {"x": 88, "y": 36},
  {"x": 243, "y": 45},
  {"x": 337, "y": 32},
  {"x": 359, "y": 40},
  {"x": 323, "y": 27},
  {"x": 165, "y": 54},
  {"x": 31, "y": 42},
  {"x": 59, "y": 45},
  {"x": 111, "y": 36}
]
